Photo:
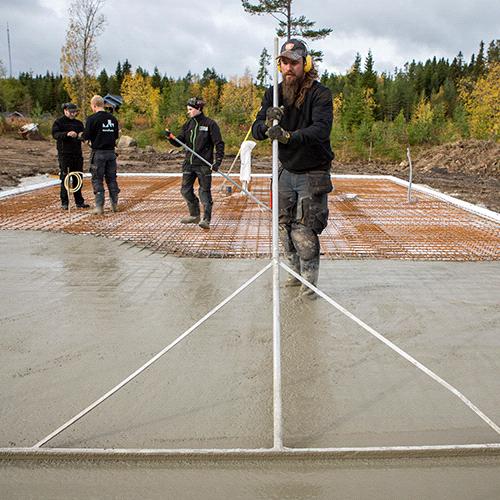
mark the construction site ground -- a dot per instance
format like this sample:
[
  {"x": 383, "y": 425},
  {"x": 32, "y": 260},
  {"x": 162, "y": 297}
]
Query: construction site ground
[
  {"x": 469, "y": 170},
  {"x": 87, "y": 300}
]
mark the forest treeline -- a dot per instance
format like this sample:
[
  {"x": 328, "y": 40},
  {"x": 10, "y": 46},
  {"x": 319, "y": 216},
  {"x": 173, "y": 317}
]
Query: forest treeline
[{"x": 375, "y": 114}]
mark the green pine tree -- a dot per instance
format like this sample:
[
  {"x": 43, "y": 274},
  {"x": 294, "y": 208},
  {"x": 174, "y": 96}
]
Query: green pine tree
[
  {"x": 103, "y": 80},
  {"x": 263, "y": 73},
  {"x": 289, "y": 26}
]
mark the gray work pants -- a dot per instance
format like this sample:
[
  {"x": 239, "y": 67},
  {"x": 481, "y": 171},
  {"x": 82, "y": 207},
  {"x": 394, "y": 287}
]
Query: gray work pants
[
  {"x": 303, "y": 211},
  {"x": 103, "y": 168}
]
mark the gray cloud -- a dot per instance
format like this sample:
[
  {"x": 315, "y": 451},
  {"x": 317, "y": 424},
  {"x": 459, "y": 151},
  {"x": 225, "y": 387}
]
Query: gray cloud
[{"x": 178, "y": 37}]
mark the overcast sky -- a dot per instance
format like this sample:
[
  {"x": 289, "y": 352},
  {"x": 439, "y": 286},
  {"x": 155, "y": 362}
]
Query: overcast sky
[{"x": 180, "y": 36}]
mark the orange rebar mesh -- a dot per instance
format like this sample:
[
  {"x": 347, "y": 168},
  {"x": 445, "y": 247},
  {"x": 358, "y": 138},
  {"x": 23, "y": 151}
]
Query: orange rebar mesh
[{"x": 378, "y": 224}]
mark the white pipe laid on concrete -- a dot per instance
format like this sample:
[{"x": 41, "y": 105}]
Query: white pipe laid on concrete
[
  {"x": 341, "y": 453},
  {"x": 277, "y": 410},
  {"x": 470, "y": 207},
  {"x": 395, "y": 348},
  {"x": 152, "y": 360}
]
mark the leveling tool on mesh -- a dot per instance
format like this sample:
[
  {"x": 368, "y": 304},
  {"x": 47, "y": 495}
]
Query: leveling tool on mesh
[{"x": 171, "y": 136}]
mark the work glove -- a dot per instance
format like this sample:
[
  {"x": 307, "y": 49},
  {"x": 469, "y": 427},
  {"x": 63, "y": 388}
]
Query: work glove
[
  {"x": 278, "y": 133},
  {"x": 216, "y": 166},
  {"x": 167, "y": 133},
  {"x": 274, "y": 113}
]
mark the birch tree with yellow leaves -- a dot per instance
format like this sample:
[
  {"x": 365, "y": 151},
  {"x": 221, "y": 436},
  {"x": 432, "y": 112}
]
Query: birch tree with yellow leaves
[
  {"x": 140, "y": 96},
  {"x": 482, "y": 102},
  {"x": 79, "y": 56}
]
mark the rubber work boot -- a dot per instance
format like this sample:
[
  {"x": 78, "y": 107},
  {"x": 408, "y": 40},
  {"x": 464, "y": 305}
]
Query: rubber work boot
[
  {"x": 204, "y": 224},
  {"x": 309, "y": 270},
  {"x": 114, "y": 204},
  {"x": 294, "y": 264},
  {"x": 99, "y": 204},
  {"x": 194, "y": 214},
  {"x": 190, "y": 219},
  {"x": 64, "y": 206},
  {"x": 83, "y": 205}
]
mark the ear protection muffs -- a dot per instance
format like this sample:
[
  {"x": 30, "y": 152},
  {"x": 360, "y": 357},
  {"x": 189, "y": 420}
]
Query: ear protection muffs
[{"x": 308, "y": 64}]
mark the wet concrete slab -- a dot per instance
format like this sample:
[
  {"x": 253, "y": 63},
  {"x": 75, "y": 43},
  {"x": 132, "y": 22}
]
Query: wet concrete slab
[{"x": 80, "y": 313}]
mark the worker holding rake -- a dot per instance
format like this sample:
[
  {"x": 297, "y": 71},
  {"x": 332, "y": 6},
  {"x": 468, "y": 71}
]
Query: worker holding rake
[{"x": 201, "y": 135}]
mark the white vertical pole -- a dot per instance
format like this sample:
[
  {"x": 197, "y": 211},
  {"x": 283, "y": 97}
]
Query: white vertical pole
[
  {"x": 277, "y": 415},
  {"x": 10, "y": 56}
]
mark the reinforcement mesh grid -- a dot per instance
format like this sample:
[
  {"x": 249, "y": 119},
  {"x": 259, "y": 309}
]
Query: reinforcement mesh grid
[{"x": 376, "y": 223}]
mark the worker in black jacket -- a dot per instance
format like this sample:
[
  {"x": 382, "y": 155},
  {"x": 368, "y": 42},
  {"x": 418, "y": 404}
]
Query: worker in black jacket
[
  {"x": 65, "y": 131},
  {"x": 305, "y": 117},
  {"x": 101, "y": 130},
  {"x": 202, "y": 135}
]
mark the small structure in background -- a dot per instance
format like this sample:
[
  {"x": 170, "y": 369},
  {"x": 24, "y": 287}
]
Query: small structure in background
[
  {"x": 112, "y": 103},
  {"x": 30, "y": 132},
  {"x": 13, "y": 115}
]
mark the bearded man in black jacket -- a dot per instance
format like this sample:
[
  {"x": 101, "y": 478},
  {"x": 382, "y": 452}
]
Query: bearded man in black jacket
[
  {"x": 305, "y": 118},
  {"x": 202, "y": 135},
  {"x": 65, "y": 131}
]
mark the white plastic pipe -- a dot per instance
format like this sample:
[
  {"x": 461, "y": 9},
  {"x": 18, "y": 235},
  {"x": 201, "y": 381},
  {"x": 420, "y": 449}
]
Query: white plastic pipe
[
  {"x": 341, "y": 453},
  {"x": 277, "y": 411}
]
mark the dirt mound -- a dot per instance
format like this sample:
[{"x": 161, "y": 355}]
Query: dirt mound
[{"x": 466, "y": 157}]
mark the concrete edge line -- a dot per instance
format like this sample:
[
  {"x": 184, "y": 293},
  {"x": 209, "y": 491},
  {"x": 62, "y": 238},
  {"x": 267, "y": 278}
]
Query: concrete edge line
[
  {"x": 341, "y": 453},
  {"x": 26, "y": 189},
  {"x": 469, "y": 207}
]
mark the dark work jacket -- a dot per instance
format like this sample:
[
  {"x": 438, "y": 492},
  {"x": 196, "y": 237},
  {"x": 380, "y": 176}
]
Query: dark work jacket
[
  {"x": 101, "y": 129},
  {"x": 201, "y": 134},
  {"x": 310, "y": 126},
  {"x": 67, "y": 146}
]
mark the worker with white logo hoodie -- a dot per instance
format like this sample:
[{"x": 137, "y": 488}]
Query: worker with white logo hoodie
[{"x": 101, "y": 130}]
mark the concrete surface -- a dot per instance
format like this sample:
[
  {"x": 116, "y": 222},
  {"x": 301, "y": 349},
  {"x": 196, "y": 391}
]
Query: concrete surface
[{"x": 79, "y": 314}]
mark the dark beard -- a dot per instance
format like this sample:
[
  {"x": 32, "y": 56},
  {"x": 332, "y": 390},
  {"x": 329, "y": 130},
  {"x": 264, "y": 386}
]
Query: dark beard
[{"x": 291, "y": 90}]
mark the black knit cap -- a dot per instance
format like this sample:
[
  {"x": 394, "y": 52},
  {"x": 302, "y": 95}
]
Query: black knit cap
[
  {"x": 196, "y": 102},
  {"x": 69, "y": 106}
]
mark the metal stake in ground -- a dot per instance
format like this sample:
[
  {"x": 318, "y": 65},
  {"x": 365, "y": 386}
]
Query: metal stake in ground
[
  {"x": 187, "y": 148},
  {"x": 410, "y": 180}
]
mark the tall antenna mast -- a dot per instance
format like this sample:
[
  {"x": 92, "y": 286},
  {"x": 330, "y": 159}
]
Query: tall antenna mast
[{"x": 10, "y": 56}]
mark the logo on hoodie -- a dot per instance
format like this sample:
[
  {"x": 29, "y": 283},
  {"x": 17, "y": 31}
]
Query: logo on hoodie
[{"x": 109, "y": 126}]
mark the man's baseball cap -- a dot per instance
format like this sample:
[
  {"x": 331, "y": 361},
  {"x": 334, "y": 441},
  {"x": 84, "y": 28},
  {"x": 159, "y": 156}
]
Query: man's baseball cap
[
  {"x": 293, "y": 49},
  {"x": 70, "y": 106}
]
